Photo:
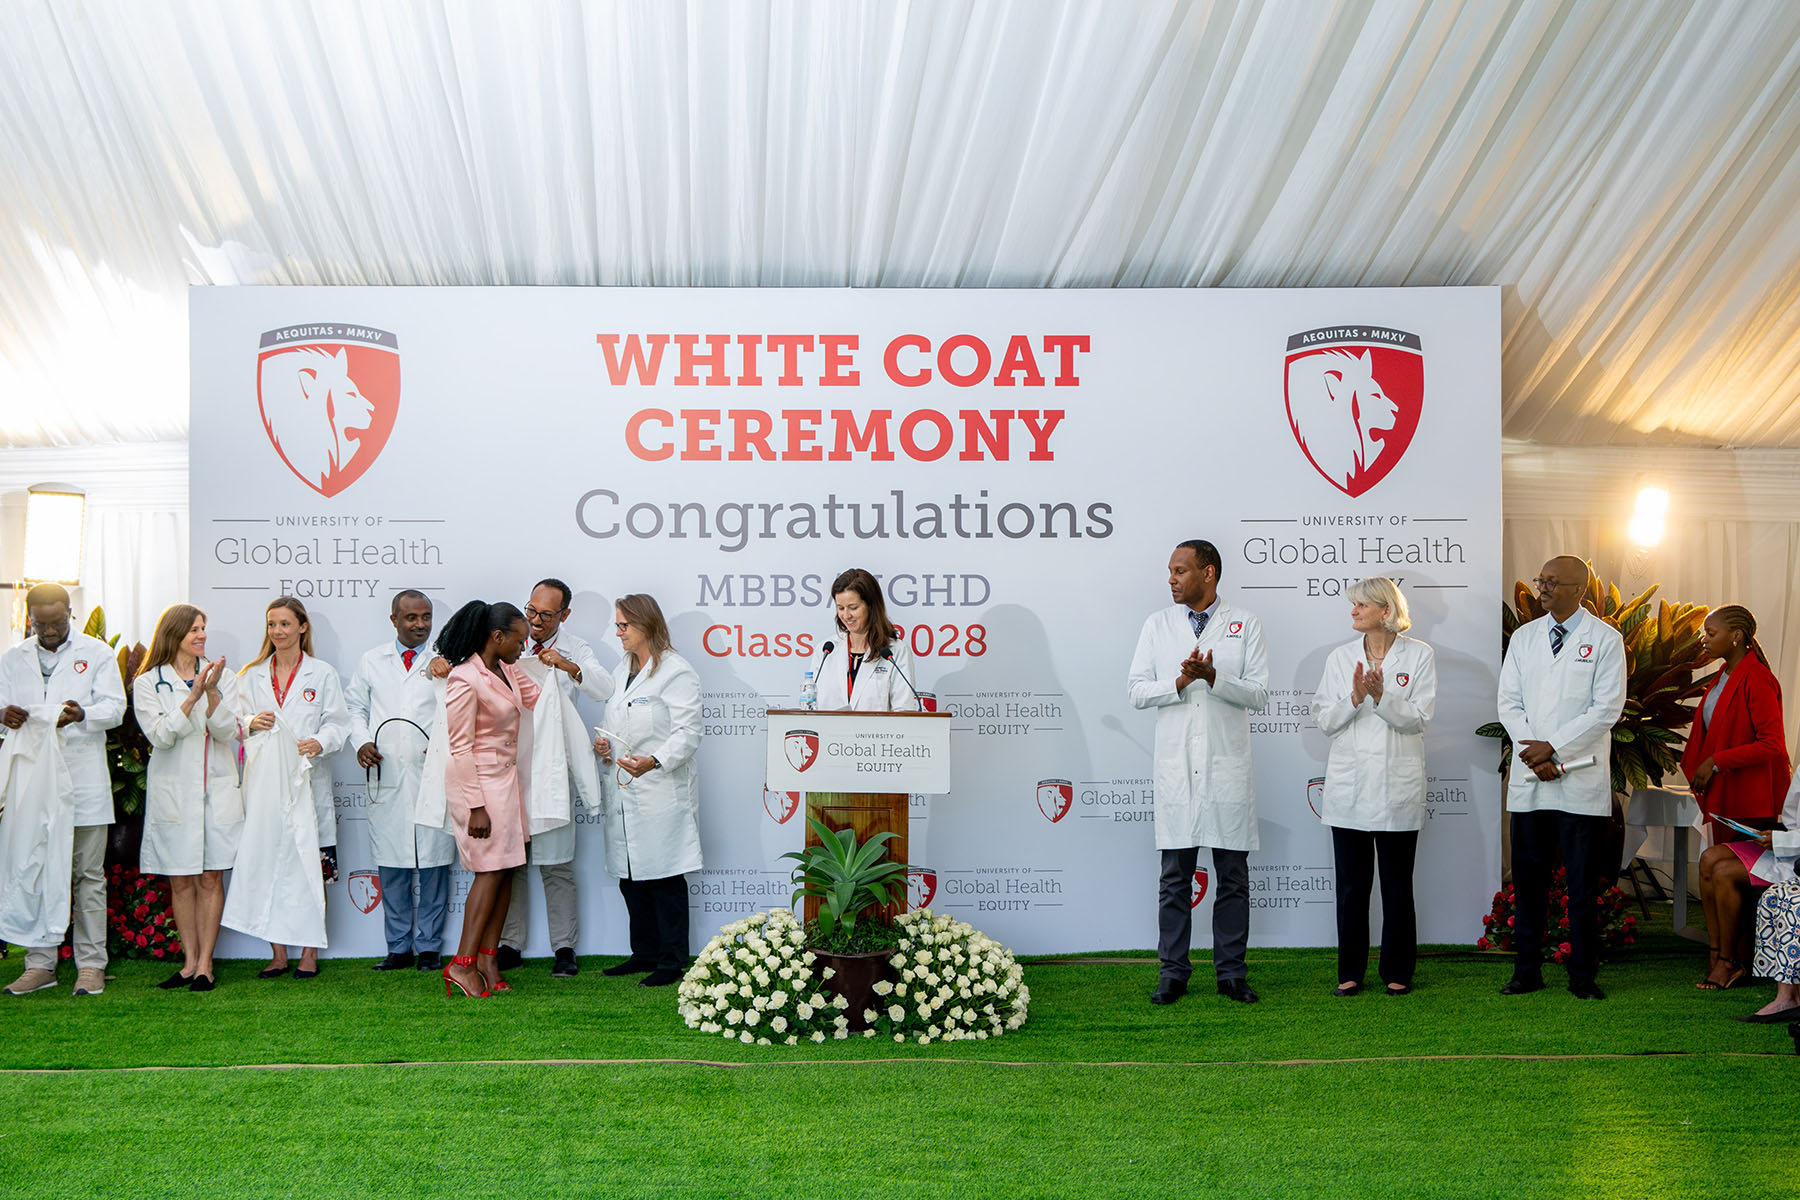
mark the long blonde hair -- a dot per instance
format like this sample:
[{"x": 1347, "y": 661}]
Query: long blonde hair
[
  {"x": 268, "y": 647},
  {"x": 642, "y": 610}
]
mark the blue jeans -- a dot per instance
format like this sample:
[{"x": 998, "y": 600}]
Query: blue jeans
[{"x": 399, "y": 910}]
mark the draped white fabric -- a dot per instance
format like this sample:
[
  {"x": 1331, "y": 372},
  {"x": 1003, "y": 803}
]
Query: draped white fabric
[{"x": 1625, "y": 168}]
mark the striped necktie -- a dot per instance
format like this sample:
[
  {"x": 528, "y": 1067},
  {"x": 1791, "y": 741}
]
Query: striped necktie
[{"x": 1557, "y": 633}]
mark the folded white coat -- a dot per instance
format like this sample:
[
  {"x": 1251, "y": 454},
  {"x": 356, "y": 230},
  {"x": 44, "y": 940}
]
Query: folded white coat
[
  {"x": 277, "y": 891},
  {"x": 37, "y": 832}
]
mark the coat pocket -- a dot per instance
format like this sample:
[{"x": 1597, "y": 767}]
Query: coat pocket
[
  {"x": 162, "y": 806},
  {"x": 227, "y": 804}
]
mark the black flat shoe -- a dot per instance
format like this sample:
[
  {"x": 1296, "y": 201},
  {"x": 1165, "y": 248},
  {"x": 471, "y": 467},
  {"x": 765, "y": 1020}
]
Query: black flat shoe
[
  {"x": 631, "y": 966},
  {"x": 1778, "y": 1017},
  {"x": 1398, "y": 989},
  {"x": 202, "y": 983},
  {"x": 177, "y": 980},
  {"x": 300, "y": 974},
  {"x": 272, "y": 972},
  {"x": 1169, "y": 991},
  {"x": 1585, "y": 989},
  {"x": 565, "y": 966},
  {"x": 1519, "y": 985},
  {"x": 1239, "y": 990},
  {"x": 1343, "y": 990},
  {"x": 661, "y": 977},
  {"x": 509, "y": 959}
]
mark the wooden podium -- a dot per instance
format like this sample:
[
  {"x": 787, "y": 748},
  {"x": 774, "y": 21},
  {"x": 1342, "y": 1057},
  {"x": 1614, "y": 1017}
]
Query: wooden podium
[{"x": 836, "y": 758}]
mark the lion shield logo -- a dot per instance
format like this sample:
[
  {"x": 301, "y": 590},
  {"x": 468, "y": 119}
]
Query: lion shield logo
[
  {"x": 1054, "y": 796},
  {"x": 1315, "y": 793},
  {"x": 1199, "y": 888},
  {"x": 1353, "y": 399},
  {"x": 328, "y": 396},
  {"x": 781, "y": 806},
  {"x": 801, "y": 747},
  {"x": 365, "y": 890},
  {"x": 921, "y": 886}
]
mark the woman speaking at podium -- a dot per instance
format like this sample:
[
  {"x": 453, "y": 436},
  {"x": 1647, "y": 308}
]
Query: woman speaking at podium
[{"x": 866, "y": 667}]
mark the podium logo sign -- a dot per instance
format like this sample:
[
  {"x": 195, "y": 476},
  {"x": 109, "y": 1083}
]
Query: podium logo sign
[
  {"x": 365, "y": 890},
  {"x": 1199, "y": 888},
  {"x": 1354, "y": 394},
  {"x": 801, "y": 747},
  {"x": 928, "y": 701},
  {"x": 1315, "y": 793},
  {"x": 781, "y": 805},
  {"x": 921, "y": 886},
  {"x": 328, "y": 395},
  {"x": 1054, "y": 796}
]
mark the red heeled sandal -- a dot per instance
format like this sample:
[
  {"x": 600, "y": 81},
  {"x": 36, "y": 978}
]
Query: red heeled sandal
[
  {"x": 499, "y": 984},
  {"x": 450, "y": 981}
]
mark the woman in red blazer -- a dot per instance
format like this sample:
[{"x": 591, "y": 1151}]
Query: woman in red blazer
[{"x": 1736, "y": 759}]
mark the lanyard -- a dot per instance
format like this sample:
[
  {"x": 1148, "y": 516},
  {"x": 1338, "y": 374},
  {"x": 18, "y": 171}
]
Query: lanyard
[{"x": 281, "y": 689}]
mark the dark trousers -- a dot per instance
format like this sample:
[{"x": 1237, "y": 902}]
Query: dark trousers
[
  {"x": 1356, "y": 852},
  {"x": 1231, "y": 912},
  {"x": 1535, "y": 839},
  {"x": 658, "y": 912},
  {"x": 400, "y": 911}
]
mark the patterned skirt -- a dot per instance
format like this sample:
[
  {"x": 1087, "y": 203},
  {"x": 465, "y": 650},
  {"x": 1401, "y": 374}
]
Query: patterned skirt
[{"x": 1778, "y": 934}]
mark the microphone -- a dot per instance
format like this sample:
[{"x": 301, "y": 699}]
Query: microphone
[{"x": 887, "y": 652}]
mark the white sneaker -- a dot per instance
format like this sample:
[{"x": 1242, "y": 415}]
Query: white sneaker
[
  {"x": 90, "y": 981},
  {"x": 33, "y": 979}
]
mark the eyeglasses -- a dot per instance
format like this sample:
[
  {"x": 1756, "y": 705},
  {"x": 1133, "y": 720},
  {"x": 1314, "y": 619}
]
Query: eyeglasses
[
  {"x": 621, "y": 626},
  {"x": 535, "y": 614},
  {"x": 1541, "y": 583}
]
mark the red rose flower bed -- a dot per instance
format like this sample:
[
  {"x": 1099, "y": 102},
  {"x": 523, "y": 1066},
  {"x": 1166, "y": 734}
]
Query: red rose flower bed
[{"x": 1618, "y": 928}]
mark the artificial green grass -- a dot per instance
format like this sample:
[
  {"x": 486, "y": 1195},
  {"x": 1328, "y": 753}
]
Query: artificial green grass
[{"x": 1303, "y": 1094}]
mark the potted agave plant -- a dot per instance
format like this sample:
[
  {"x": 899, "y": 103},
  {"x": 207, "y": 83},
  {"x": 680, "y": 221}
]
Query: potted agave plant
[{"x": 855, "y": 884}]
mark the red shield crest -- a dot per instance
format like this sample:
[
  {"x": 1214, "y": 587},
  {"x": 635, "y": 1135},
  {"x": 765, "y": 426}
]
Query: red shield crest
[
  {"x": 1199, "y": 888},
  {"x": 921, "y": 886},
  {"x": 365, "y": 890},
  {"x": 1054, "y": 796},
  {"x": 781, "y": 805},
  {"x": 1585, "y": 651},
  {"x": 1402, "y": 679},
  {"x": 1235, "y": 627},
  {"x": 801, "y": 747},
  {"x": 928, "y": 701},
  {"x": 81, "y": 668},
  {"x": 308, "y": 694},
  {"x": 1354, "y": 394},
  {"x": 1315, "y": 793},
  {"x": 328, "y": 394}
]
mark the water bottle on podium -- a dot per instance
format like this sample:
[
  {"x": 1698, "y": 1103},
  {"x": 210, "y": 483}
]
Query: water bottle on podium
[{"x": 809, "y": 691}]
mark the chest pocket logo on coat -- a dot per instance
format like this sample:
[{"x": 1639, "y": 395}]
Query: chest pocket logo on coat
[
  {"x": 1235, "y": 629},
  {"x": 1403, "y": 679},
  {"x": 309, "y": 695},
  {"x": 1585, "y": 652},
  {"x": 81, "y": 667}
]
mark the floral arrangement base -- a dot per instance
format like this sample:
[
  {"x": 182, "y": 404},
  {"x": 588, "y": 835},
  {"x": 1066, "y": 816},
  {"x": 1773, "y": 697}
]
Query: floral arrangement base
[
  {"x": 757, "y": 983},
  {"x": 1618, "y": 928}
]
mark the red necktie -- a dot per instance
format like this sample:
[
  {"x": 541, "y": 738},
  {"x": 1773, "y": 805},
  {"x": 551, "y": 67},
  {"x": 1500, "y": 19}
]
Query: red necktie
[
  {"x": 406, "y": 658},
  {"x": 537, "y": 648}
]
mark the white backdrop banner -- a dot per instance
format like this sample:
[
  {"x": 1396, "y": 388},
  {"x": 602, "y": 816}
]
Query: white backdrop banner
[{"x": 1014, "y": 465}]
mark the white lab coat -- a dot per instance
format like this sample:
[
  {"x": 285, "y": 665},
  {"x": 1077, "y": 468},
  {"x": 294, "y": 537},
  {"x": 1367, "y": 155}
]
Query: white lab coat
[
  {"x": 381, "y": 697},
  {"x": 37, "y": 831},
  {"x": 1776, "y": 864},
  {"x": 277, "y": 892},
  {"x": 193, "y": 807},
  {"x": 87, "y": 672},
  {"x": 879, "y": 687},
  {"x": 561, "y": 757},
  {"x": 653, "y": 825},
  {"x": 314, "y": 709},
  {"x": 1375, "y": 777},
  {"x": 1571, "y": 700},
  {"x": 557, "y": 844},
  {"x": 1204, "y": 784}
]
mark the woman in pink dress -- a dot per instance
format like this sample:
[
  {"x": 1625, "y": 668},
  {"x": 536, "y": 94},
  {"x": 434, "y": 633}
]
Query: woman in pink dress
[{"x": 485, "y": 695}]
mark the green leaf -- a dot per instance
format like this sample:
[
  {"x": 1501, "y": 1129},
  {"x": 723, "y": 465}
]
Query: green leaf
[{"x": 1493, "y": 729}]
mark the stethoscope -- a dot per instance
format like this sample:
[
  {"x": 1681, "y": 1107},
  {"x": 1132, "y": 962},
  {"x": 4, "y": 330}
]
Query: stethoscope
[{"x": 375, "y": 782}]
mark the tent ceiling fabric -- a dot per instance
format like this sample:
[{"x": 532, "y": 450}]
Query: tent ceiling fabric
[{"x": 1627, "y": 170}]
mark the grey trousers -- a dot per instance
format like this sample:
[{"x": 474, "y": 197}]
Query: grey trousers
[
  {"x": 400, "y": 910},
  {"x": 1231, "y": 912},
  {"x": 87, "y": 904},
  {"x": 561, "y": 912}
]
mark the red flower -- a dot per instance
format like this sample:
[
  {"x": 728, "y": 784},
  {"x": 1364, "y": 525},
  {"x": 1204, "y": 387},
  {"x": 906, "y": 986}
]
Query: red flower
[
  {"x": 142, "y": 940},
  {"x": 1481, "y": 943},
  {"x": 141, "y": 911},
  {"x": 157, "y": 952},
  {"x": 65, "y": 952}
]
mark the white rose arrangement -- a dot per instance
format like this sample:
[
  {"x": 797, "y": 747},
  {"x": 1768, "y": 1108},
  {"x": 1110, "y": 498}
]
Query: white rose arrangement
[{"x": 757, "y": 983}]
